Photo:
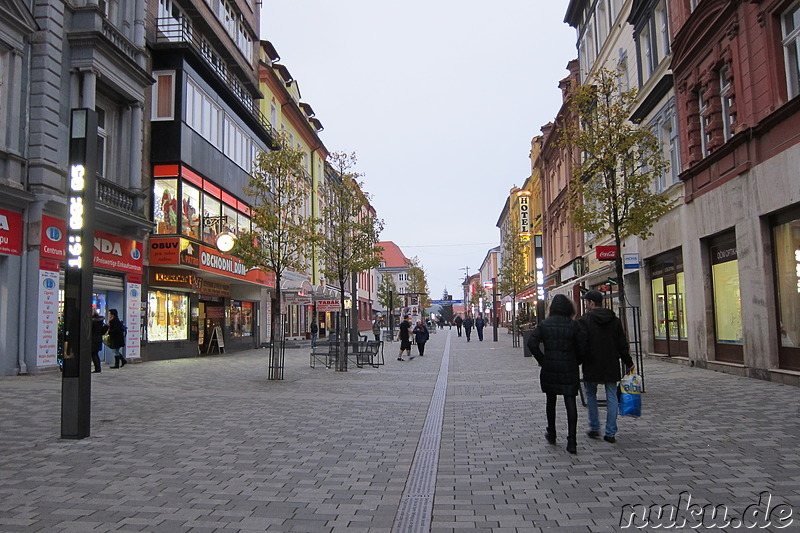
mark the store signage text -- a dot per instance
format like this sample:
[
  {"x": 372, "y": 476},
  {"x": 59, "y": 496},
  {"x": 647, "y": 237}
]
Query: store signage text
[
  {"x": 226, "y": 264},
  {"x": 797, "y": 268},
  {"x": 524, "y": 215},
  {"x": 606, "y": 253},
  {"x": 10, "y": 232}
]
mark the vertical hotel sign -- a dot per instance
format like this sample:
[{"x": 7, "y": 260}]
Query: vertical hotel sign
[
  {"x": 81, "y": 191},
  {"x": 524, "y": 200}
]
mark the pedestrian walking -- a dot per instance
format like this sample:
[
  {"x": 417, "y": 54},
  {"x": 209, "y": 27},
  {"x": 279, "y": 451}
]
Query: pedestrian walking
[
  {"x": 421, "y": 336},
  {"x": 116, "y": 338},
  {"x": 468, "y": 323},
  {"x": 314, "y": 333},
  {"x": 99, "y": 328},
  {"x": 459, "y": 322},
  {"x": 376, "y": 330},
  {"x": 564, "y": 344},
  {"x": 404, "y": 336},
  {"x": 607, "y": 344},
  {"x": 479, "y": 325}
]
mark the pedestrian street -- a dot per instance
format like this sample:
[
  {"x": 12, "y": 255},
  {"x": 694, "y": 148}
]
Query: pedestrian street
[{"x": 452, "y": 441}]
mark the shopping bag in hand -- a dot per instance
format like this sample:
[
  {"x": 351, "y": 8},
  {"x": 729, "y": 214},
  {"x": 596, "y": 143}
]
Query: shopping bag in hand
[{"x": 631, "y": 400}]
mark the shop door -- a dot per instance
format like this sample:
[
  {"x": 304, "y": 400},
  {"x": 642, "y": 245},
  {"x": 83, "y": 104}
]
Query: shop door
[
  {"x": 675, "y": 319},
  {"x": 210, "y": 316}
]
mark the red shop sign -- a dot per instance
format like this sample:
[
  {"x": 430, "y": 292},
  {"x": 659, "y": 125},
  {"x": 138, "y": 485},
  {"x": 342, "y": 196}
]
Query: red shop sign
[
  {"x": 10, "y": 232},
  {"x": 606, "y": 253},
  {"x": 111, "y": 252}
]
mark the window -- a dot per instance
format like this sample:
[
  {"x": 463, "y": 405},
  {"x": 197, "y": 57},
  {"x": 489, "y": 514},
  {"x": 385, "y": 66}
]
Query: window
[
  {"x": 163, "y": 96},
  {"x": 791, "y": 48},
  {"x": 190, "y": 211},
  {"x": 726, "y": 96},
  {"x": 102, "y": 142},
  {"x": 602, "y": 21},
  {"x": 705, "y": 133},
  {"x": 211, "y": 208},
  {"x": 165, "y": 206},
  {"x": 662, "y": 28},
  {"x": 727, "y": 295},
  {"x": 167, "y": 316},
  {"x": 646, "y": 51},
  {"x": 786, "y": 239},
  {"x": 241, "y": 318}
]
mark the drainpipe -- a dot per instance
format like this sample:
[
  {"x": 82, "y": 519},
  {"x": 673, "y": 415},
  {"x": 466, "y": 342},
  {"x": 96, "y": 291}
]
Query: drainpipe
[{"x": 23, "y": 296}]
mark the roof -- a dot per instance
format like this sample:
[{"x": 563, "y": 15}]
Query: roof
[{"x": 393, "y": 256}]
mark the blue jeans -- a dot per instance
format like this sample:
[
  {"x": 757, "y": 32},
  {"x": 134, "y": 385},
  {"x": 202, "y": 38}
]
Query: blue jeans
[
  {"x": 612, "y": 407},
  {"x": 314, "y": 340}
]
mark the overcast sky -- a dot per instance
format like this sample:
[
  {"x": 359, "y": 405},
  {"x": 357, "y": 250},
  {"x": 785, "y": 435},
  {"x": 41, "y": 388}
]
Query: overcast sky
[{"x": 439, "y": 99}]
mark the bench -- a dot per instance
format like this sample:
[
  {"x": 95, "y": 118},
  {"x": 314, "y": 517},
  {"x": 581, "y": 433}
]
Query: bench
[{"x": 362, "y": 353}]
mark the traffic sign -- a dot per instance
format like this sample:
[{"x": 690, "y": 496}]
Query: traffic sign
[{"x": 446, "y": 302}]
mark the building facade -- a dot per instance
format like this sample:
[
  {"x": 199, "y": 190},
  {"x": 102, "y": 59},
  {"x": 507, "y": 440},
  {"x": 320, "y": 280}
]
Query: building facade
[
  {"x": 736, "y": 67},
  {"x": 86, "y": 55},
  {"x": 206, "y": 129}
]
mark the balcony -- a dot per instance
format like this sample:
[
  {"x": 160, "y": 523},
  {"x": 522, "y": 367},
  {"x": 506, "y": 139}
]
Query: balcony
[
  {"x": 171, "y": 31},
  {"x": 112, "y": 195}
]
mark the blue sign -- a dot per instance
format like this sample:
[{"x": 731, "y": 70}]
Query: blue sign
[{"x": 446, "y": 302}]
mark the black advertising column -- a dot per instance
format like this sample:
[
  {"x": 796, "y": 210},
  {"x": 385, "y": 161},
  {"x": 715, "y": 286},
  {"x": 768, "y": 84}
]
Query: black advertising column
[
  {"x": 538, "y": 254},
  {"x": 81, "y": 191}
]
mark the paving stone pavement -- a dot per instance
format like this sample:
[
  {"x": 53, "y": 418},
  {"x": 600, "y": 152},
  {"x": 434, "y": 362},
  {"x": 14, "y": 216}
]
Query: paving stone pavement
[{"x": 209, "y": 444}]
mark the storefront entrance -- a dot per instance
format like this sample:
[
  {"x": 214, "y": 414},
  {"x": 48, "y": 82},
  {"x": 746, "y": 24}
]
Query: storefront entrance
[
  {"x": 669, "y": 314},
  {"x": 211, "y": 322}
]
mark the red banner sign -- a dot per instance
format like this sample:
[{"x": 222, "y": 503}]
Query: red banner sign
[
  {"x": 111, "y": 252},
  {"x": 606, "y": 253},
  {"x": 10, "y": 232}
]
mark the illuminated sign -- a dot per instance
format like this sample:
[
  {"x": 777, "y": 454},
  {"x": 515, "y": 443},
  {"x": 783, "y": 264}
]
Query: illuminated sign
[
  {"x": 539, "y": 255},
  {"x": 797, "y": 268},
  {"x": 524, "y": 213},
  {"x": 75, "y": 222},
  {"x": 606, "y": 253}
]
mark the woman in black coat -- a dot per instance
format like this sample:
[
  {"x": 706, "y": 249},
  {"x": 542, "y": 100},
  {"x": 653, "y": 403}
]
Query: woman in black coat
[
  {"x": 116, "y": 338},
  {"x": 99, "y": 329},
  {"x": 564, "y": 345}
]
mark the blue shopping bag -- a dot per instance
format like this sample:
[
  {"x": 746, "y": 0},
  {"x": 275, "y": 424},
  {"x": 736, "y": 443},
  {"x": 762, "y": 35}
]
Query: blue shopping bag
[{"x": 630, "y": 403}]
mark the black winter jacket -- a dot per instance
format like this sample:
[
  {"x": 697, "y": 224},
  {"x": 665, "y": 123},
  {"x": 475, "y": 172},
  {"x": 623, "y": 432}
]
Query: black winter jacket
[
  {"x": 607, "y": 344},
  {"x": 564, "y": 344},
  {"x": 116, "y": 333},
  {"x": 99, "y": 329}
]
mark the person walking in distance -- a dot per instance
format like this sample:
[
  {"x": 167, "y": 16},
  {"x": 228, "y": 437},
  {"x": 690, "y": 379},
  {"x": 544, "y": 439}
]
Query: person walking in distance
[
  {"x": 314, "y": 332},
  {"x": 404, "y": 336},
  {"x": 99, "y": 329},
  {"x": 564, "y": 344},
  {"x": 116, "y": 338},
  {"x": 376, "y": 330},
  {"x": 421, "y": 336},
  {"x": 479, "y": 325},
  {"x": 459, "y": 322},
  {"x": 607, "y": 345},
  {"x": 468, "y": 323}
]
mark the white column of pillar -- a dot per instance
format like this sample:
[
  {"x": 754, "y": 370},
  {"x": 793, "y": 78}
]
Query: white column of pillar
[
  {"x": 136, "y": 146},
  {"x": 89, "y": 89}
]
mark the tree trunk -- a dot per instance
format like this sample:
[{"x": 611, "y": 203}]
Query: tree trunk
[
  {"x": 274, "y": 338},
  {"x": 620, "y": 283},
  {"x": 341, "y": 361}
]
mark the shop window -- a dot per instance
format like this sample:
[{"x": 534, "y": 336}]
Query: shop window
[
  {"x": 787, "y": 263},
  {"x": 167, "y": 316},
  {"x": 165, "y": 206},
  {"x": 230, "y": 221},
  {"x": 683, "y": 329},
  {"x": 241, "y": 319},
  {"x": 190, "y": 211},
  {"x": 243, "y": 224},
  {"x": 727, "y": 295},
  {"x": 659, "y": 309},
  {"x": 211, "y": 214}
]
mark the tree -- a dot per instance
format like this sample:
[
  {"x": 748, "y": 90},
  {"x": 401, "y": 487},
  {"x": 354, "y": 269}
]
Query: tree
[
  {"x": 281, "y": 235},
  {"x": 611, "y": 187},
  {"x": 351, "y": 232},
  {"x": 387, "y": 293},
  {"x": 446, "y": 311},
  {"x": 514, "y": 275},
  {"x": 418, "y": 283},
  {"x": 480, "y": 293}
]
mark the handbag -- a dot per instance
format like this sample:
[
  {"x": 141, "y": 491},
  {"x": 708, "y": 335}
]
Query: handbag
[
  {"x": 107, "y": 340},
  {"x": 630, "y": 403}
]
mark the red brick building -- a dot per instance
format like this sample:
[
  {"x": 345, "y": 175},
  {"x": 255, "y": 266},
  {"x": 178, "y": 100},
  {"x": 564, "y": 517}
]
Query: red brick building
[{"x": 735, "y": 67}]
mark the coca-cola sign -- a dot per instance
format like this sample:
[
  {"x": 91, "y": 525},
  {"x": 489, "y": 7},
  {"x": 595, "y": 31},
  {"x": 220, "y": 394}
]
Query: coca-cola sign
[{"x": 606, "y": 253}]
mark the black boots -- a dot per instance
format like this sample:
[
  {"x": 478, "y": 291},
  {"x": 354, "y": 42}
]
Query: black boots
[
  {"x": 550, "y": 436},
  {"x": 117, "y": 359},
  {"x": 572, "y": 446}
]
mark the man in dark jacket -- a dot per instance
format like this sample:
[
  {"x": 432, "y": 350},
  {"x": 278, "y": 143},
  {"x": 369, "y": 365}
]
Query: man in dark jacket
[{"x": 607, "y": 344}]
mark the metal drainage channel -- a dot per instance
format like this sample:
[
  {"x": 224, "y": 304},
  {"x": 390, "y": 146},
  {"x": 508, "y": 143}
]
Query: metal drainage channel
[{"x": 416, "y": 505}]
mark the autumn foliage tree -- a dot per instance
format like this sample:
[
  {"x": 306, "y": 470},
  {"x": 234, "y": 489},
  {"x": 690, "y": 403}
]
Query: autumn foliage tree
[
  {"x": 612, "y": 185},
  {"x": 350, "y": 233},
  {"x": 281, "y": 234}
]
